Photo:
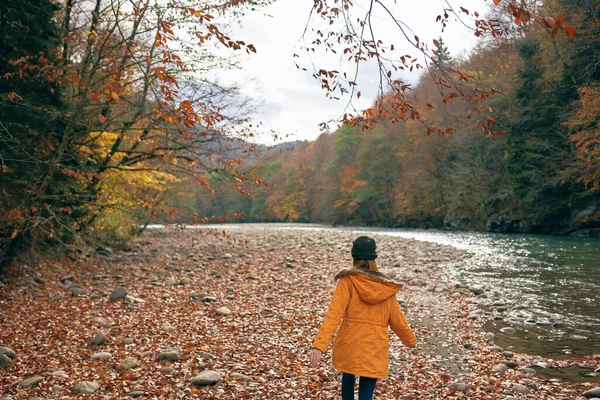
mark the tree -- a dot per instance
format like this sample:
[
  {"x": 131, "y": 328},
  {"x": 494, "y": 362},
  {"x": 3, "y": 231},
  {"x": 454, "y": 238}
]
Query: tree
[
  {"x": 350, "y": 30},
  {"x": 31, "y": 129},
  {"x": 142, "y": 109},
  {"x": 442, "y": 58},
  {"x": 537, "y": 149}
]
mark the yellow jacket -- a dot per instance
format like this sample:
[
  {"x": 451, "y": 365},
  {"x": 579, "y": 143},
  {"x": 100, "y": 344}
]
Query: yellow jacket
[{"x": 364, "y": 302}]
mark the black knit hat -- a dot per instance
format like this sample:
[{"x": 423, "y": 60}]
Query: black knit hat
[{"x": 364, "y": 248}]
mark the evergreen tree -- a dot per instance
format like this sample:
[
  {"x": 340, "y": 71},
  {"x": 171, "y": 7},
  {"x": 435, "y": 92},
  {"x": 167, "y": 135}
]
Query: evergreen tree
[
  {"x": 31, "y": 125},
  {"x": 442, "y": 58},
  {"x": 536, "y": 149}
]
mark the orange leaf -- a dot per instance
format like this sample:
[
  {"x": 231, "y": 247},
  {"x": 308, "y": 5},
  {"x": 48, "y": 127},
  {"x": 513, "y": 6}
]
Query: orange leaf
[
  {"x": 114, "y": 96},
  {"x": 12, "y": 95},
  {"x": 14, "y": 235},
  {"x": 101, "y": 118},
  {"x": 569, "y": 30}
]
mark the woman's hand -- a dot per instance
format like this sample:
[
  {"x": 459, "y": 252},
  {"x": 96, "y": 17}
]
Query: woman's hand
[{"x": 315, "y": 357}]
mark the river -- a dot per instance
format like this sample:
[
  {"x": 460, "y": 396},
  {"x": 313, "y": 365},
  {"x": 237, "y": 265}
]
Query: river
[{"x": 551, "y": 285}]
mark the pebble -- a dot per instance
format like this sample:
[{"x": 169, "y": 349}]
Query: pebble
[
  {"x": 119, "y": 293},
  {"x": 78, "y": 292},
  {"x": 86, "y": 387},
  {"x": 592, "y": 393},
  {"x": 528, "y": 371},
  {"x": 493, "y": 348},
  {"x": 31, "y": 382},
  {"x": 102, "y": 356},
  {"x": 458, "y": 387},
  {"x": 170, "y": 355},
  {"x": 98, "y": 340},
  {"x": 99, "y": 321},
  {"x": 206, "y": 378},
  {"x": 127, "y": 364},
  {"x": 6, "y": 356},
  {"x": 136, "y": 393},
  {"x": 224, "y": 311},
  {"x": 4, "y": 361},
  {"x": 243, "y": 377},
  {"x": 166, "y": 370},
  {"x": 508, "y": 330},
  {"x": 59, "y": 373},
  {"x": 500, "y": 369},
  {"x": 521, "y": 389}
]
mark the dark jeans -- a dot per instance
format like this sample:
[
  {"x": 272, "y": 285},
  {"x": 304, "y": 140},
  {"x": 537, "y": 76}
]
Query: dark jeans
[{"x": 366, "y": 387}]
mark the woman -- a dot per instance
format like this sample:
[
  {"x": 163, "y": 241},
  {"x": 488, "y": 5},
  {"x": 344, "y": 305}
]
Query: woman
[{"x": 365, "y": 304}]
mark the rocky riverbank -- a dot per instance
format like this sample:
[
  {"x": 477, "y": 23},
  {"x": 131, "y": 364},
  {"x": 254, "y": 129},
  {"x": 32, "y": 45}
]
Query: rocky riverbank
[{"x": 231, "y": 314}]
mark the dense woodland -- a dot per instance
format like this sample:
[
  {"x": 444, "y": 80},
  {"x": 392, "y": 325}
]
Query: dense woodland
[
  {"x": 541, "y": 176},
  {"x": 111, "y": 118}
]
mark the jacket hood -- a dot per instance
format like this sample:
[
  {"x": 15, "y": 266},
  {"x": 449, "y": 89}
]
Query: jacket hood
[{"x": 372, "y": 286}]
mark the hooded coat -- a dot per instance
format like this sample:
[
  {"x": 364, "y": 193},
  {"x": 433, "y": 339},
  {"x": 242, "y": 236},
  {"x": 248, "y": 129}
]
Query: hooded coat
[{"x": 365, "y": 304}]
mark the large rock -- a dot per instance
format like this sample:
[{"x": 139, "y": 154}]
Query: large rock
[
  {"x": 206, "y": 378},
  {"x": 595, "y": 392},
  {"x": 118, "y": 293},
  {"x": 86, "y": 387},
  {"x": 31, "y": 382}
]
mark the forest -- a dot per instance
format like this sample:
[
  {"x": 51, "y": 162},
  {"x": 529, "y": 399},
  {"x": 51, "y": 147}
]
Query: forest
[
  {"x": 539, "y": 173},
  {"x": 111, "y": 119}
]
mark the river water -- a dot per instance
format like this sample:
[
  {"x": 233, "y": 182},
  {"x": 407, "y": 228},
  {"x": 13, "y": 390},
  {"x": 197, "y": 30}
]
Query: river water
[{"x": 551, "y": 285}]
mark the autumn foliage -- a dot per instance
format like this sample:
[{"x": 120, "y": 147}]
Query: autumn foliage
[
  {"x": 539, "y": 173},
  {"x": 111, "y": 105}
]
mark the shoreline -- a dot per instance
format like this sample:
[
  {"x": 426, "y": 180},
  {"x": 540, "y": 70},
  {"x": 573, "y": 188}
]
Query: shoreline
[{"x": 276, "y": 284}]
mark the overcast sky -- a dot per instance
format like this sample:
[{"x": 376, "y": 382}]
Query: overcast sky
[{"x": 293, "y": 103}]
